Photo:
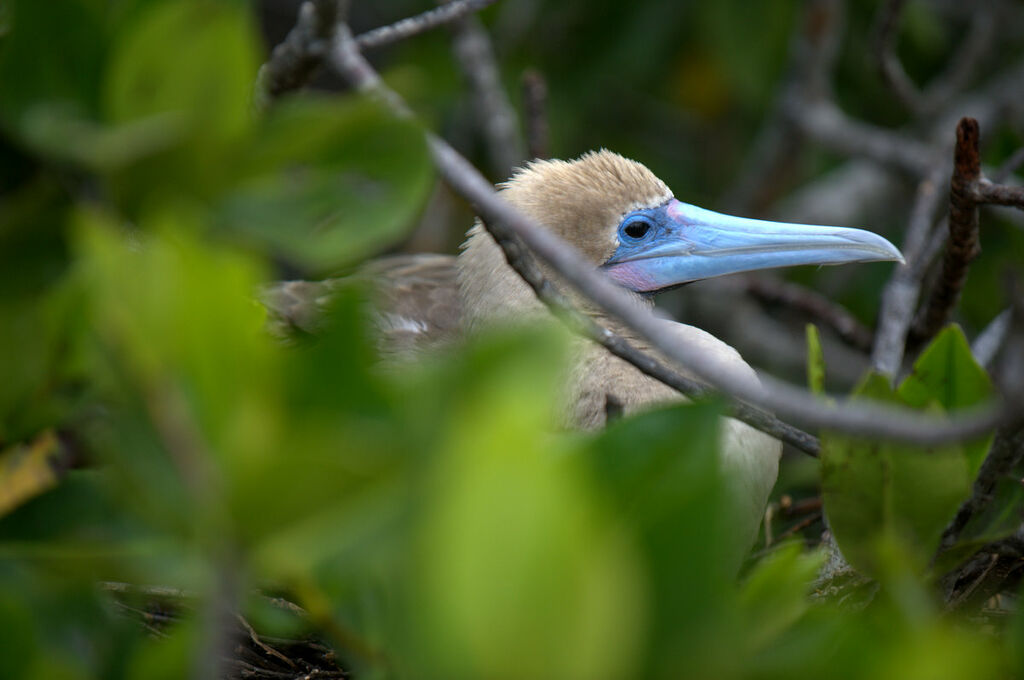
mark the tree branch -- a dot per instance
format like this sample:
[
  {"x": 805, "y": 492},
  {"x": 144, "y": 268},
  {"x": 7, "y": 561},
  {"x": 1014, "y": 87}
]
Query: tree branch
[
  {"x": 962, "y": 246},
  {"x": 902, "y": 291},
  {"x": 406, "y": 28},
  {"x": 294, "y": 61}
]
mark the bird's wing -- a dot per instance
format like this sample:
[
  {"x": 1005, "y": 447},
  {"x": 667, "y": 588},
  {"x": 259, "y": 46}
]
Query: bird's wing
[{"x": 416, "y": 303}]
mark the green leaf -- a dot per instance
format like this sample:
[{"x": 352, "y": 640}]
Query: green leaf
[
  {"x": 947, "y": 373},
  {"x": 662, "y": 474},
  {"x": 197, "y": 58},
  {"x": 180, "y": 79},
  {"x": 32, "y": 76},
  {"x": 815, "y": 361},
  {"x": 876, "y": 489},
  {"x": 513, "y": 543},
  {"x": 774, "y": 595},
  {"x": 326, "y": 183}
]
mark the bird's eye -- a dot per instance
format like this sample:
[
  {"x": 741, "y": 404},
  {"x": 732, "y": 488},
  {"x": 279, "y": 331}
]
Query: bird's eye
[{"x": 637, "y": 229}]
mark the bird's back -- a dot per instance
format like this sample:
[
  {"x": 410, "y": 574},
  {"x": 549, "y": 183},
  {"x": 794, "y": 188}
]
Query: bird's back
[{"x": 415, "y": 298}]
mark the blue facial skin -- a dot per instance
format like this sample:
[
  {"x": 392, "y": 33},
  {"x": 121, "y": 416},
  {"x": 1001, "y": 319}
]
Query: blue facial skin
[{"x": 676, "y": 243}]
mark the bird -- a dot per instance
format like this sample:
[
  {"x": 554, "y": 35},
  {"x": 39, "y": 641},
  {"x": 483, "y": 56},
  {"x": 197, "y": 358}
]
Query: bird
[{"x": 625, "y": 221}]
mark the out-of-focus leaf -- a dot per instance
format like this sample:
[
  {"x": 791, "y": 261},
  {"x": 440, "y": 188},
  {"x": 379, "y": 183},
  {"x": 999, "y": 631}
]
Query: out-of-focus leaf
[
  {"x": 169, "y": 657},
  {"x": 815, "y": 361},
  {"x": 58, "y": 132},
  {"x": 514, "y": 543},
  {"x": 182, "y": 69},
  {"x": 874, "y": 489},
  {"x": 661, "y": 472},
  {"x": 68, "y": 74},
  {"x": 328, "y": 182},
  {"x": 197, "y": 58},
  {"x": 774, "y": 595}
]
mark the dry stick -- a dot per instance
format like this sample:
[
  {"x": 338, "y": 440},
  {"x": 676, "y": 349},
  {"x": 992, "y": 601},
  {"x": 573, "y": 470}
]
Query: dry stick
[
  {"x": 535, "y": 99},
  {"x": 963, "y": 244},
  {"x": 814, "y": 305},
  {"x": 861, "y": 418},
  {"x": 400, "y": 30},
  {"x": 902, "y": 291},
  {"x": 495, "y": 113},
  {"x": 293, "y": 61},
  {"x": 984, "y": 191}
]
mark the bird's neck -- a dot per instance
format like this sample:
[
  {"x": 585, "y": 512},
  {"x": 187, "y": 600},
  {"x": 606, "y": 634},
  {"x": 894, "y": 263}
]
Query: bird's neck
[{"x": 493, "y": 292}]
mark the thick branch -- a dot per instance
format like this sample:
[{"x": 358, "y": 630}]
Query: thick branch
[
  {"x": 864, "y": 419},
  {"x": 963, "y": 245},
  {"x": 294, "y": 61}
]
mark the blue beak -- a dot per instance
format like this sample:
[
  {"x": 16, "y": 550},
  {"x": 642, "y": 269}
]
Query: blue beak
[{"x": 677, "y": 243}]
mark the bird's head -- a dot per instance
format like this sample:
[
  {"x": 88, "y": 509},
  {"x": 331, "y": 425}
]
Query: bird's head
[{"x": 625, "y": 220}]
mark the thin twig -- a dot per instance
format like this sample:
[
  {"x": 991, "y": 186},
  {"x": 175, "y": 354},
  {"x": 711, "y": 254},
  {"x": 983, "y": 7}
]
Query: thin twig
[
  {"x": 984, "y": 191},
  {"x": 862, "y": 418},
  {"x": 535, "y": 100},
  {"x": 406, "y": 28},
  {"x": 815, "y": 306},
  {"x": 799, "y": 526},
  {"x": 295, "y": 60},
  {"x": 962, "y": 246}
]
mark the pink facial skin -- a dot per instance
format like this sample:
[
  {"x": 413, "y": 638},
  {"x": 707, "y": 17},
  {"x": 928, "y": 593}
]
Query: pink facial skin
[
  {"x": 632, "y": 275},
  {"x": 675, "y": 209}
]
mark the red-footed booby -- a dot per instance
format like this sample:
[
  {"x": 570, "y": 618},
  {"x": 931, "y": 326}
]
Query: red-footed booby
[{"x": 626, "y": 221}]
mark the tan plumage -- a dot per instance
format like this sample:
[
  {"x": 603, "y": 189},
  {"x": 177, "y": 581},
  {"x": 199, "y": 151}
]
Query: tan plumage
[{"x": 426, "y": 300}]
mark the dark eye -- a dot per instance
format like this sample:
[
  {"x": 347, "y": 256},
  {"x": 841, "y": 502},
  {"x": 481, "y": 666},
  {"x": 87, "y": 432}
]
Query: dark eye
[{"x": 637, "y": 229}]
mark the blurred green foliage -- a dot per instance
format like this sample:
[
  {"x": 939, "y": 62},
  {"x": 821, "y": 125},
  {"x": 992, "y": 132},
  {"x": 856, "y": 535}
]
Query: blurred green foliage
[{"x": 432, "y": 521}]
